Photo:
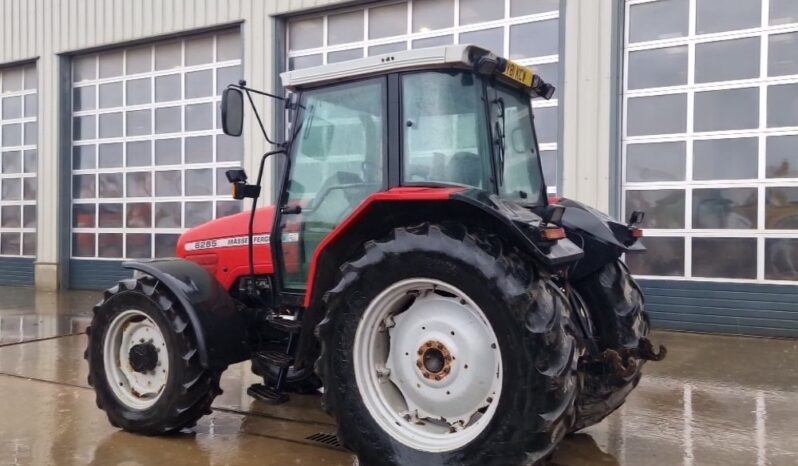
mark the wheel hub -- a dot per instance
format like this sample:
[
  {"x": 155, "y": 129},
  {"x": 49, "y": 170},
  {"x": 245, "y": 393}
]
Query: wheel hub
[
  {"x": 143, "y": 357},
  {"x": 136, "y": 359},
  {"x": 434, "y": 360}
]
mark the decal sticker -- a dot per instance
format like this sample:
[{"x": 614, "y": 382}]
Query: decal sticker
[{"x": 236, "y": 241}]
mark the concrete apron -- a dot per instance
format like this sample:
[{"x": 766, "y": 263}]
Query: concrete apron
[{"x": 714, "y": 400}]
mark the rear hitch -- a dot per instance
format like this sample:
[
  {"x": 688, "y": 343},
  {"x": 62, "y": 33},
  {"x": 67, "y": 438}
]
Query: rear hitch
[
  {"x": 645, "y": 351},
  {"x": 620, "y": 365},
  {"x": 623, "y": 363}
]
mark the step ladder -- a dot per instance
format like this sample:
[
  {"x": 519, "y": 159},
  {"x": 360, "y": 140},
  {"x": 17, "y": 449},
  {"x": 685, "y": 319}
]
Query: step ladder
[{"x": 282, "y": 360}]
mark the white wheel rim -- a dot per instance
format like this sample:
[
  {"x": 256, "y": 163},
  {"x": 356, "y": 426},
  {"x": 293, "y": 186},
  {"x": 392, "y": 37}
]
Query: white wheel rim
[
  {"x": 414, "y": 399},
  {"x": 136, "y": 389}
]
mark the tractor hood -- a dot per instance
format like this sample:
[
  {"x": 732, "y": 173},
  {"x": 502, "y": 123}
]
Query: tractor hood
[
  {"x": 231, "y": 228},
  {"x": 221, "y": 246}
]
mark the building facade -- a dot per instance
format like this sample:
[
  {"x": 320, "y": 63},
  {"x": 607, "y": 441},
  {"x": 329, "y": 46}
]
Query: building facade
[{"x": 110, "y": 143}]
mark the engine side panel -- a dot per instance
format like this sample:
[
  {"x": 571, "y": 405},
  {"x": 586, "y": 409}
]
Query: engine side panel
[{"x": 221, "y": 246}]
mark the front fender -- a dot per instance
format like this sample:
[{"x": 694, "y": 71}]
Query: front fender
[{"x": 221, "y": 331}]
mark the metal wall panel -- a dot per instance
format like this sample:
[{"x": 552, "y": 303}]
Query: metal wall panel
[
  {"x": 96, "y": 275},
  {"x": 16, "y": 271},
  {"x": 731, "y": 308},
  {"x": 587, "y": 101}
]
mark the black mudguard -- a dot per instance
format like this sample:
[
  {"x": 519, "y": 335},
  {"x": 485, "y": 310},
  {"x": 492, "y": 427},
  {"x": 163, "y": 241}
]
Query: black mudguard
[
  {"x": 525, "y": 226},
  {"x": 221, "y": 330},
  {"x": 602, "y": 237}
]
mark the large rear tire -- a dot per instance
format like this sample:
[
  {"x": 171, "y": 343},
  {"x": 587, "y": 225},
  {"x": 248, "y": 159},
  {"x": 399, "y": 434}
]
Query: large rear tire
[
  {"x": 143, "y": 361},
  {"x": 617, "y": 306},
  {"x": 443, "y": 346}
]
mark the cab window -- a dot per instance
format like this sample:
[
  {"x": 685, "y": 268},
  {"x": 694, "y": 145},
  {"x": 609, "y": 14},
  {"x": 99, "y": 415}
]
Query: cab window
[
  {"x": 444, "y": 128},
  {"x": 336, "y": 163}
]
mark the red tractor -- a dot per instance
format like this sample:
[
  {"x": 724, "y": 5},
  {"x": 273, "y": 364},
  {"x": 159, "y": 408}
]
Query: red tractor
[{"x": 412, "y": 266}]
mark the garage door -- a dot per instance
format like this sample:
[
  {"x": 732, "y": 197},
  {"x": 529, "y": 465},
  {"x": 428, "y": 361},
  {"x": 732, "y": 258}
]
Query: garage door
[
  {"x": 710, "y": 137},
  {"x": 18, "y": 158},
  {"x": 148, "y": 155},
  {"x": 526, "y": 31}
]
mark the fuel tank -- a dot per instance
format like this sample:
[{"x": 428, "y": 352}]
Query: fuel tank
[{"x": 220, "y": 246}]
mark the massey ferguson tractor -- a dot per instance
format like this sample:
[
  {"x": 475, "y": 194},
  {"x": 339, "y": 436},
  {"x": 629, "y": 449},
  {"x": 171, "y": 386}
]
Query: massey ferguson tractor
[{"x": 412, "y": 270}]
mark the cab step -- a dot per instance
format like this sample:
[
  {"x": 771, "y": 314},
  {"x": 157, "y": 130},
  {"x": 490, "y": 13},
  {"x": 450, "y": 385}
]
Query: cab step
[
  {"x": 267, "y": 394},
  {"x": 275, "y": 358},
  {"x": 288, "y": 326}
]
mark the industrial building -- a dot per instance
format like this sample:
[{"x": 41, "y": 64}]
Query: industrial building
[{"x": 111, "y": 145}]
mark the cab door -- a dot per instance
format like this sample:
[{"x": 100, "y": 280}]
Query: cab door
[{"x": 337, "y": 159}]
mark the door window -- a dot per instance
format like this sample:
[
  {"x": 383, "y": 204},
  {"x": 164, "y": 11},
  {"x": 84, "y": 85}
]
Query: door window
[{"x": 337, "y": 160}]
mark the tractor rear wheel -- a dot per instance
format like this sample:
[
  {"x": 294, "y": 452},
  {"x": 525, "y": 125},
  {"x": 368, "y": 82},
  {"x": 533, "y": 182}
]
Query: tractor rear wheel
[
  {"x": 617, "y": 307},
  {"x": 143, "y": 361},
  {"x": 444, "y": 346}
]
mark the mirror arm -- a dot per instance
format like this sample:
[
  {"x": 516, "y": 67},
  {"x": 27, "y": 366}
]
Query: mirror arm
[
  {"x": 260, "y": 121},
  {"x": 242, "y": 85}
]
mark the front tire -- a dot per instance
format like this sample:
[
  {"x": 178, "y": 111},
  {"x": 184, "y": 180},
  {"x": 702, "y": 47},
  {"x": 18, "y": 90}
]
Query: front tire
[
  {"x": 143, "y": 361},
  {"x": 482, "y": 303}
]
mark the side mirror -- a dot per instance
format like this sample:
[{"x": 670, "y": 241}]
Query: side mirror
[{"x": 232, "y": 111}]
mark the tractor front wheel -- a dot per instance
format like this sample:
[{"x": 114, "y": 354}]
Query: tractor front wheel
[
  {"x": 143, "y": 361},
  {"x": 443, "y": 346}
]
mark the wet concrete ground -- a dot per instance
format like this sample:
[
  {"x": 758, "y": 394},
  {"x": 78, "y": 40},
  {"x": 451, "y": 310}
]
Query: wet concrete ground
[{"x": 714, "y": 401}]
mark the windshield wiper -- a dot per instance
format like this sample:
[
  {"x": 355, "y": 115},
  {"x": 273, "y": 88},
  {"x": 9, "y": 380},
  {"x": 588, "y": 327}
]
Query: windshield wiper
[{"x": 500, "y": 139}]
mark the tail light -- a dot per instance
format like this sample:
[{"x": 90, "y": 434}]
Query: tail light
[
  {"x": 552, "y": 234},
  {"x": 636, "y": 232}
]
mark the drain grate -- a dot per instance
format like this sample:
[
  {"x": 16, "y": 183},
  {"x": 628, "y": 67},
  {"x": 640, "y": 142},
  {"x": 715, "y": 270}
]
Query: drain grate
[{"x": 329, "y": 440}]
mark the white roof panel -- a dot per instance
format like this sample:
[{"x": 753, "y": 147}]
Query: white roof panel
[{"x": 454, "y": 55}]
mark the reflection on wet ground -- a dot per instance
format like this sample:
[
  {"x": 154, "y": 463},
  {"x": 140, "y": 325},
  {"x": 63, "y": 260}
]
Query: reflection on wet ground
[
  {"x": 714, "y": 401},
  {"x": 29, "y": 315}
]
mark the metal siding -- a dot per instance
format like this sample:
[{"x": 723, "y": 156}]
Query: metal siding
[
  {"x": 16, "y": 271},
  {"x": 734, "y": 308},
  {"x": 587, "y": 101},
  {"x": 96, "y": 275}
]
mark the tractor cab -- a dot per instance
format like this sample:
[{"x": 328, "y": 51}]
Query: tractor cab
[{"x": 454, "y": 116}]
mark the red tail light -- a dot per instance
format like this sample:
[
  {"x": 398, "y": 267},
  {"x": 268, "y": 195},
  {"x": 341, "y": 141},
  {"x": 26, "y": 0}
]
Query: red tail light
[
  {"x": 636, "y": 232},
  {"x": 554, "y": 199}
]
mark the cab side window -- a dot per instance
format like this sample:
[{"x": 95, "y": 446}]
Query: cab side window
[{"x": 444, "y": 130}]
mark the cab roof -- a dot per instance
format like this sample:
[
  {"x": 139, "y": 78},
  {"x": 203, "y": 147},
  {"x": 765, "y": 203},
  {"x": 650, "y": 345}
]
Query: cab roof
[{"x": 455, "y": 56}]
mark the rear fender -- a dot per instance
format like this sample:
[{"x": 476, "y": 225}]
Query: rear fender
[
  {"x": 221, "y": 331},
  {"x": 380, "y": 213},
  {"x": 602, "y": 237},
  {"x": 403, "y": 206}
]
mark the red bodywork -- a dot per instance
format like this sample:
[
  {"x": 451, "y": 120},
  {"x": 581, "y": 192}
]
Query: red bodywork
[
  {"x": 227, "y": 263},
  {"x": 220, "y": 246}
]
